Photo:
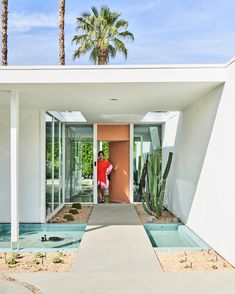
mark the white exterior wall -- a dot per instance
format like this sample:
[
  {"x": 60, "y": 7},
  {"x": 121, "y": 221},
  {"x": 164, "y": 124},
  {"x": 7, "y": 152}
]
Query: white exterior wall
[
  {"x": 29, "y": 166},
  {"x": 5, "y": 197},
  {"x": 202, "y": 191},
  {"x": 212, "y": 212}
]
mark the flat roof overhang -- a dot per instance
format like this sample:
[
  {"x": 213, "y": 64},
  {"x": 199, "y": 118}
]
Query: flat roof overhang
[{"x": 137, "y": 88}]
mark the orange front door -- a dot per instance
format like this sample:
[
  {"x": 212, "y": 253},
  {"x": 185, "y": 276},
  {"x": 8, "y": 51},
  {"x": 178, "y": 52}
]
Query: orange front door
[{"x": 120, "y": 177}]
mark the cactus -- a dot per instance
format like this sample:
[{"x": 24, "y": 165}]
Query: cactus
[{"x": 153, "y": 197}]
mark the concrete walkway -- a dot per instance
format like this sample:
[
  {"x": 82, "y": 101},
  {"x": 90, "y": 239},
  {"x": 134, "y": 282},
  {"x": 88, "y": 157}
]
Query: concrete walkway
[
  {"x": 7, "y": 287},
  {"x": 115, "y": 256},
  {"x": 115, "y": 242}
]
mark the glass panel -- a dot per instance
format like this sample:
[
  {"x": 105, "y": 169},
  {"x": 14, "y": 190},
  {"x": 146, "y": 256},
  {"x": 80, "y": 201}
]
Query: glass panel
[
  {"x": 78, "y": 163},
  {"x": 147, "y": 139},
  {"x": 56, "y": 163},
  {"x": 49, "y": 178}
]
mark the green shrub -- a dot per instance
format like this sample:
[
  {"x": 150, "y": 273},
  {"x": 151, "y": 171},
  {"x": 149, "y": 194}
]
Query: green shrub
[
  {"x": 16, "y": 255},
  {"x": 39, "y": 255},
  {"x": 68, "y": 217},
  {"x": 11, "y": 260},
  {"x": 57, "y": 259},
  {"x": 73, "y": 210},
  {"x": 77, "y": 205},
  {"x": 35, "y": 261}
]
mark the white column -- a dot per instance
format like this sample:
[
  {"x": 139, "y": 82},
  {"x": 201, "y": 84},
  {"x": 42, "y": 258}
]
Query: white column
[
  {"x": 42, "y": 164},
  {"x": 14, "y": 137},
  {"x": 63, "y": 160},
  {"x": 53, "y": 165},
  {"x": 131, "y": 162},
  {"x": 95, "y": 163}
]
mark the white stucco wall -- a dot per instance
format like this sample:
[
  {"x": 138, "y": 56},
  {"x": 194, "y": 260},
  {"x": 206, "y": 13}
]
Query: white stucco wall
[
  {"x": 202, "y": 190},
  {"x": 29, "y": 190},
  {"x": 4, "y": 166},
  {"x": 212, "y": 211}
]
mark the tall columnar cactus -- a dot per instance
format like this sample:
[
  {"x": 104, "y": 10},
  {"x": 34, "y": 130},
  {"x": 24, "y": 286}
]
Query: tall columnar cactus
[{"x": 153, "y": 197}]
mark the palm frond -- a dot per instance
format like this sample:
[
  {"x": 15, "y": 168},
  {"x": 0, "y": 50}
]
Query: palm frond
[
  {"x": 78, "y": 38},
  {"x": 112, "y": 51},
  {"x": 121, "y": 23},
  {"x": 127, "y": 35},
  {"x": 94, "y": 55},
  {"x": 120, "y": 46},
  {"x": 85, "y": 14},
  {"x": 95, "y": 11}
]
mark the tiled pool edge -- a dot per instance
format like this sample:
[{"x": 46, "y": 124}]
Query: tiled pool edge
[{"x": 189, "y": 233}]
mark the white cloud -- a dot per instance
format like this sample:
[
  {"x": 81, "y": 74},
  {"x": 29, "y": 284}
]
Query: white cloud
[{"x": 22, "y": 22}]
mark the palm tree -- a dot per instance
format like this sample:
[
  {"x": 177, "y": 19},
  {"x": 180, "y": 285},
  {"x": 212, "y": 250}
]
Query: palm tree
[
  {"x": 103, "y": 33},
  {"x": 4, "y": 31},
  {"x": 61, "y": 32}
]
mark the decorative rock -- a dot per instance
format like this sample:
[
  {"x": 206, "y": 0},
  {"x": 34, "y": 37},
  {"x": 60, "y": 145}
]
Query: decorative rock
[
  {"x": 150, "y": 219},
  {"x": 175, "y": 219}
]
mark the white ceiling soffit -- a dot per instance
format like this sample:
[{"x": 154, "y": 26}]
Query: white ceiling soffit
[{"x": 95, "y": 101}]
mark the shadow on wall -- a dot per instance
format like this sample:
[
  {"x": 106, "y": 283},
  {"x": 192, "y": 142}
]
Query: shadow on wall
[{"x": 193, "y": 134}]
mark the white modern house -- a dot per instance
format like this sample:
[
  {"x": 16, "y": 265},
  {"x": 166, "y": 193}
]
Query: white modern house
[{"x": 188, "y": 109}]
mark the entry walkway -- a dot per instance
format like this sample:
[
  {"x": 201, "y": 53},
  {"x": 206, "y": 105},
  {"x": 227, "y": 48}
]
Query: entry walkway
[
  {"x": 115, "y": 241},
  {"x": 115, "y": 256}
]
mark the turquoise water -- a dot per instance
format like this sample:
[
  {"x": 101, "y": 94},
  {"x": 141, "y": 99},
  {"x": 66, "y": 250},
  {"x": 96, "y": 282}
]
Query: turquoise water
[
  {"x": 173, "y": 236},
  {"x": 30, "y": 237}
]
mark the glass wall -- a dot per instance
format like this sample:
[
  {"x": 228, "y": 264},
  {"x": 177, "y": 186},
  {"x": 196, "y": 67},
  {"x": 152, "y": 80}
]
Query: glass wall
[
  {"x": 147, "y": 139},
  {"x": 78, "y": 163},
  {"x": 53, "y": 164},
  {"x": 56, "y": 163}
]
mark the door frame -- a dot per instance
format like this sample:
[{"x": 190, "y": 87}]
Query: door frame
[
  {"x": 95, "y": 199},
  {"x": 95, "y": 149}
]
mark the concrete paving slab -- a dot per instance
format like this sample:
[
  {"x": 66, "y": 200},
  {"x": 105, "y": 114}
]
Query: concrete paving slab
[
  {"x": 114, "y": 214},
  {"x": 133, "y": 282},
  {"x": 115, "y": 240},
  {"x": 7, "y": 287}
]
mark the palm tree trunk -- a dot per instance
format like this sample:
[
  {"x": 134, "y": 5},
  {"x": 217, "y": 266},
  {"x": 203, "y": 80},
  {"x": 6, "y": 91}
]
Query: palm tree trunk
[
  {"x": 4, "y": 31},
  {"x": 61, "y": 32},
  {"x": 102, "y": 58}
]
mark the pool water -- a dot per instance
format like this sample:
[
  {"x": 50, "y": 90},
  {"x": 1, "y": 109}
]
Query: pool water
[
  {"x": 68, "y": 236},
  {"x": 173, "y": 236}
]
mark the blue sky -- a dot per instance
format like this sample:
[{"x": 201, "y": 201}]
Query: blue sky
[{"x": 166, "y": 31}]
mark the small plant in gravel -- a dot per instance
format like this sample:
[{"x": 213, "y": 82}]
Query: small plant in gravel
[
  {"x": 73, "y": 210},
  {"x": 57, "y": 258},
  {"x": 35, "y": 261},
  {"x": 77, "y": 205},
  {"x": 68, "y": 217},
  {"x": 39, "y": 255},
  {"x": 11, "y": 260},
  {"x": 16, "y": 255}
]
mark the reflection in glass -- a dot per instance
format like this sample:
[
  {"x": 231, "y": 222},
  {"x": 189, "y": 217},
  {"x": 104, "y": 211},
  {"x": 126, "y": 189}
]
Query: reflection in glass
[
  {"x": 78, "y": 163},
  {"x": 147, "y": 139}
]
